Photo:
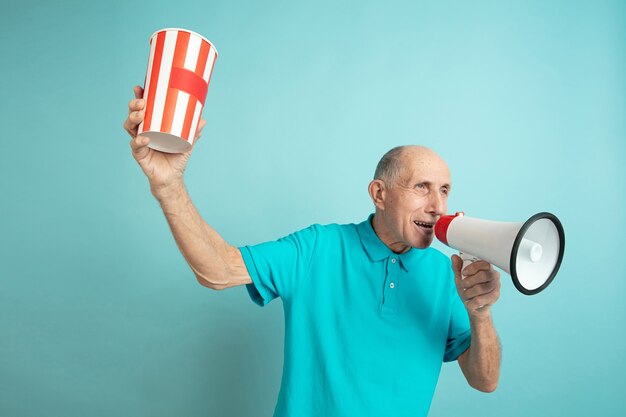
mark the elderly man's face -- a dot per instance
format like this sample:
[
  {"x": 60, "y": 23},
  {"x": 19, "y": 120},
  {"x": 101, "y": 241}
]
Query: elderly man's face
[{"x": 417, "y": 200}]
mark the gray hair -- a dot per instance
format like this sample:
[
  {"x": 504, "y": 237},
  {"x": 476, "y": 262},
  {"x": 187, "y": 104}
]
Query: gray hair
[{"x": 389, "y": 167}]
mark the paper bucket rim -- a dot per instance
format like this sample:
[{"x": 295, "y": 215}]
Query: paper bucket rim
[{"x": 190, "y": 31}]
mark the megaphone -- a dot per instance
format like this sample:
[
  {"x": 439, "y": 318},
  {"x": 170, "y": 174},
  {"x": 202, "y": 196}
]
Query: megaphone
[{"x": 531, "y": 251}]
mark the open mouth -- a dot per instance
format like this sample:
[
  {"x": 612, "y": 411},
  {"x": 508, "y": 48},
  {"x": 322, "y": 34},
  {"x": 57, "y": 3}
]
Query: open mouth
[{"x": 428, "y": 227}]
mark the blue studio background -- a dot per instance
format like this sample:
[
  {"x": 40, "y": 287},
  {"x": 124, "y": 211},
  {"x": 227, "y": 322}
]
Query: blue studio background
[{"x": 101, "y": 316}]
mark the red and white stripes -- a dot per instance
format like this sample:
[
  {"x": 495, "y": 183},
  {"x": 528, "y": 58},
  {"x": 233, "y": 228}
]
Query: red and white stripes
[{"x": 179, "y": 71}]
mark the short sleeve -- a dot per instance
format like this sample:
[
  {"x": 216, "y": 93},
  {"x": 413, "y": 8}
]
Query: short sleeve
[
  {"x": 459, "y": 333},
  {"x": 276, "y": 267}
]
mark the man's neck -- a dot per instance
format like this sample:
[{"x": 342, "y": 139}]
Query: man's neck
[{"x": 383, "y": 234}]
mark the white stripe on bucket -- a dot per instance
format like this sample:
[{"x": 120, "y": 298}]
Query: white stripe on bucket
[{"x": 164, "y": 80}]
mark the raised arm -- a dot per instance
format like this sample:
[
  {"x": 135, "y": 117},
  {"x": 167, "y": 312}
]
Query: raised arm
[{"x": 216, "y": 264}]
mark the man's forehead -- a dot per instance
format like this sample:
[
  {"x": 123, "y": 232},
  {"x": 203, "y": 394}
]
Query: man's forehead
[
  {"x": 416, "y": 176},
  {"x": 424, "y": 166}
]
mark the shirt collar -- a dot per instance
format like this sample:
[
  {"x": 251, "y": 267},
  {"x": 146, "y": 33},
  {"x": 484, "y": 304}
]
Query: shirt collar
[{"x": 377, "y": 250}]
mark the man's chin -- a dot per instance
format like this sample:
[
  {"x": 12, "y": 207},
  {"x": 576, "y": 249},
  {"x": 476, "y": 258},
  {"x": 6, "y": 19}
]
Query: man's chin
[
  {"x": 423, "y": 241},
  {"x": 422, "y": 238}
]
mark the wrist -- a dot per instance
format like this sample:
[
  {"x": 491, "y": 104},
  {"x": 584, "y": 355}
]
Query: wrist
[
  {"x": 169, "y": 192},
  {"x": 480, "y": 317}
]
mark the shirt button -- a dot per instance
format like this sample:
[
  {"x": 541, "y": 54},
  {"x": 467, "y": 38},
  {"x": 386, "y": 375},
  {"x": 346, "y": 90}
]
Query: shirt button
[
  {"x": 393, "y": 260},
  {"x": 392, "y": 285}
]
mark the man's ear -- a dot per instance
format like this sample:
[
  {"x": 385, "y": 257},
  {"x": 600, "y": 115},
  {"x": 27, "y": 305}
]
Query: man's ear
[{"x": 377, "y": 191}]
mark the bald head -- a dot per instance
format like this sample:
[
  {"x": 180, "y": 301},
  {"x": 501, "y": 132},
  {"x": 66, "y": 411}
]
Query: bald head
[{"x": 398, "y": 162}]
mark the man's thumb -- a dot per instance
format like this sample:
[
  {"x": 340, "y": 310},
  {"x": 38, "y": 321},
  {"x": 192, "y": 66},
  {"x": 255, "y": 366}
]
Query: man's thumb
[{"x": 457, "y": 264}]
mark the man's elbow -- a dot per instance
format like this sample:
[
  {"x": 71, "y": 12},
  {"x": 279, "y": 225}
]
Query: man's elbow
[
  {"x": 211, "y": 284},
  {"x": 212, "y": 280},
  {"x": 486, "y": 386}
]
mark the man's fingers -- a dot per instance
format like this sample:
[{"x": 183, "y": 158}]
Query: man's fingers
[
  {"x": 480, "y": 289},
  {"x": 135, "y": 112},
  {"x": 138, "y": 91},
  {"x": 136, "y": 117},
  {"x": 139, "y": 142},
  {"x": 132, "y": 131},
  {"x": 133, "y": 121},
  {"x": 478, "y": 278},
  {"x": 139, "y": 145},
  {"x": 474, "y": 267},
  {"x": 457, "y": 264},
  {"x": 199, "y": 130},
  {"x": 136, "y": 104}
]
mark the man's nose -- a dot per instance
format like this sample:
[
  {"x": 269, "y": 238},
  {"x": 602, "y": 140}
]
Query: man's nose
[{"x": 437, "y": 205}]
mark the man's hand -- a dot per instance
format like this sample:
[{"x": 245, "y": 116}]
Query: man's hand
[
  {"x": 164, "y": 170},
  {"x": 480, "y": 288}
]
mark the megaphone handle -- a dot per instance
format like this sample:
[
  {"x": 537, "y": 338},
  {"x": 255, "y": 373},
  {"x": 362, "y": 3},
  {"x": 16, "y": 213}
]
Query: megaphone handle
[{"x": 467, "y": 259}]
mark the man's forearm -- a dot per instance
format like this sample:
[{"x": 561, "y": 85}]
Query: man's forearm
[
  {"x": 482, "y": 367},
  {"x": 203, "y": 248}
]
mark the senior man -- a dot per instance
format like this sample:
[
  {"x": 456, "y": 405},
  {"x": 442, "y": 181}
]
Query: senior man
[{"x": 371, "y": 311}]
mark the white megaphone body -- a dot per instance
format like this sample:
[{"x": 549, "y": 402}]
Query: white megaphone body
[{"x": 531, "y": 252}]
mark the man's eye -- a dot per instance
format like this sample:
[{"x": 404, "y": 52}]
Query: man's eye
[
  {"x": 420, "y": 186},
  {"x": 445, "y": 191}
]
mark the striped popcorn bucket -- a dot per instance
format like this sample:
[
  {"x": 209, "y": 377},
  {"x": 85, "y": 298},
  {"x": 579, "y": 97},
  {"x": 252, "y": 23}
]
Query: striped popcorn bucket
[{"x": 179, "y": 71}]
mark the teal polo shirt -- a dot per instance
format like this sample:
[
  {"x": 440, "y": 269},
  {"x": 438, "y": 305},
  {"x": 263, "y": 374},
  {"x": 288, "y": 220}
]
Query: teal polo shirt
[{"x": 366, "y": 329}]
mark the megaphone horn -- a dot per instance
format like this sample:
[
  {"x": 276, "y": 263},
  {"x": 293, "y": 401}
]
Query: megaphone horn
[{"x": 531, "y": 251}]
